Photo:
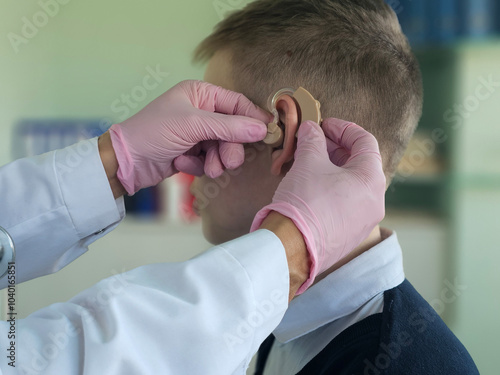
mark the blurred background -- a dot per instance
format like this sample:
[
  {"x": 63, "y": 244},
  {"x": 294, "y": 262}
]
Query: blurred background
[{"x": 72, "y": 68}]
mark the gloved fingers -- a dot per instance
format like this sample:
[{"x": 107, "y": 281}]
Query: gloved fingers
[
  {"x": 335, "y": 129},
  {"x": 232, "y": 155},
  {"x": 217, "y": 99},
  {"x": 192, "y": 161},
  {"x": 361, "y": 144},
  {"x": 192, "y": 165},
  {"x": 213, "y": 164},
  {"x": 196, "y": 150},
  {"x": 338, "y": 154},
  {"x": 234, "y": 129},
  {"x": 311, "y": 144},
  {"x": 220, "y": 114}
]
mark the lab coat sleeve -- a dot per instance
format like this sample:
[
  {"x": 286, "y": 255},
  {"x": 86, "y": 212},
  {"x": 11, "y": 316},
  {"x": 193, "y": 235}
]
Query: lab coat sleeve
[
  {"x": 204, "y": 316},
  {"x": 54, "y": 205}
]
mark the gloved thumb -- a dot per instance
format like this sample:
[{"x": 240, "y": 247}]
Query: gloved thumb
[
  {"x": 311, "y": 144},
  {"x": 228, "y": 128}
]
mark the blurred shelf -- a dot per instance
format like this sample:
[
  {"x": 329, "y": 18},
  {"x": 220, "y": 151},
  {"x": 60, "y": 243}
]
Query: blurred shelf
[
  {"x": 489, "y": 42},
  {"x": 475, "y": 181},
  {"x": 423, "y": 179},
  {"x": 425, "y": 194},
  {"x": 460, "y": 43}
]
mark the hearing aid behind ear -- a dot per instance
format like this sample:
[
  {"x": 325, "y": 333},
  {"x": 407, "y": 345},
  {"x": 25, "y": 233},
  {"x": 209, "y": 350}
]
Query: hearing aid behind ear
[
  {"x": 310, "y": 108},
  {"x": 306, "y": 108}
]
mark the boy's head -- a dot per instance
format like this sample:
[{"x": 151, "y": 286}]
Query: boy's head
[{"x": 350, "y": 54}]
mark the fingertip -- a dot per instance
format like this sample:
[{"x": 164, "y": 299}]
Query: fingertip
[
  {"x": 309, "y": 130},
  {"x": 334, "y": 128},
  {"x": 257, "y": 130},
  {"x": 232, "y": 154},
  {"x": 336, "y": 122},
  {"x": 213, "y": 163},
  {"x": 213, "y": 171},
  {"x": 191, "y": 165},
  {"x": 338, "y": 155},
  {"x": 245, "y": 107},
  {"x": 352, "y": 137},
  {"x": 245, "y": 130},
  {"x": 234, "y": 103},
  {"x": 235, "y": 129},
  {"x": 259, "y": 114},
  {"x": 311, "y": 141}
]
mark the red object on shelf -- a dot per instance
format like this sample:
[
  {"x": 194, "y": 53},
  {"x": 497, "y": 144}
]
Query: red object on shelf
[{"x": 186, "y": 202}]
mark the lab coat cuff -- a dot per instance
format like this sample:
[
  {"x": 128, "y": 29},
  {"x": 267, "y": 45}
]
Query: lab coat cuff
[
  {"x": 86, "y": 190},
  {"x": 264, "y": 259}
]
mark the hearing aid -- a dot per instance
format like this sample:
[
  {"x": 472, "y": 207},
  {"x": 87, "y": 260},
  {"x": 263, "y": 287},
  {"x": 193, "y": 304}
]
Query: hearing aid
[{"x": 299, "y": 105}]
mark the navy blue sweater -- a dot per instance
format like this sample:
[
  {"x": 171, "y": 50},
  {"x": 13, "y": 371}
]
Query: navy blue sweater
[{"x": 408, "y": 337}]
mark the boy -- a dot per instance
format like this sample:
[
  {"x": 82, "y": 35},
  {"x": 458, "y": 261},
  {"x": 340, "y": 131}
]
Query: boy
[{"x": 361, "y": 316}]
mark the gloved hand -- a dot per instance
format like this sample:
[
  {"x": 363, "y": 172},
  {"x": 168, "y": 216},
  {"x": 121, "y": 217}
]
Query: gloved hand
[
  {"x": 178, "y": 122},
  {"x": 335, "y": 208}
]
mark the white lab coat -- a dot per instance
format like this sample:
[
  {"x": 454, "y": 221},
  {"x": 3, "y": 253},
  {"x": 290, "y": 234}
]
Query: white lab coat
[{"x": 204, "y": 316}]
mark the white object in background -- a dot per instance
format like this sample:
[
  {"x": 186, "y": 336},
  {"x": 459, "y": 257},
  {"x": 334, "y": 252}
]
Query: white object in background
[
  {"x": 424, "y": 241},
  {"x": 173, "y": 197}
]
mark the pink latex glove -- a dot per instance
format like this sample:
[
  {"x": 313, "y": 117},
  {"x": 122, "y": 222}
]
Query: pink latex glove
[
  {"x": 335, "y": 208},
  {"x": 180, "y": 121}
]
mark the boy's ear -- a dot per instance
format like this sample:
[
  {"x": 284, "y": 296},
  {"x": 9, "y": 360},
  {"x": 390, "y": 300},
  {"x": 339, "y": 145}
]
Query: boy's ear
[{"x": 289, "y": 117}]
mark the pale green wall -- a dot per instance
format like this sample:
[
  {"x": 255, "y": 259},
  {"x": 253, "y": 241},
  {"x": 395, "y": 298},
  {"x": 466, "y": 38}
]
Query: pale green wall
[{"x": 93, "y": 51}]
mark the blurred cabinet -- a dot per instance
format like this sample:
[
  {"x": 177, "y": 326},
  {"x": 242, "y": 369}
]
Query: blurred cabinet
[
  {"x": 452, "y": 172},
  {"x": 475, "y": 192}
]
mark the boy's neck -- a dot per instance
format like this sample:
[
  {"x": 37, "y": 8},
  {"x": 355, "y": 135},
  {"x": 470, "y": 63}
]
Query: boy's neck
[{"x": 373, "y": 239}]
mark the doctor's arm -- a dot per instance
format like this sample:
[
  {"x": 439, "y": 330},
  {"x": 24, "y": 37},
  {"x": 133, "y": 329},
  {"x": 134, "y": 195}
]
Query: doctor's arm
[
  {"x": 204, "y": 316},
  {"x": 54, "y": 206}
]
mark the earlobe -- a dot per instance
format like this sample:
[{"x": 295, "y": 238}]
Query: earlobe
[{"x": 289, "y": 116}]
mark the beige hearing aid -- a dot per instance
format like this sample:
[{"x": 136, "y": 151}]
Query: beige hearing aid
[{"x": 308, "y": 109}]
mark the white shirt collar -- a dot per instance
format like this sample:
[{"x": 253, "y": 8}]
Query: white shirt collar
[{"x": 344, "y": 291}]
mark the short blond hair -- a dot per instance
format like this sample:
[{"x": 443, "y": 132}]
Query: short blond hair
[{"x": 350, "y": 54}]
